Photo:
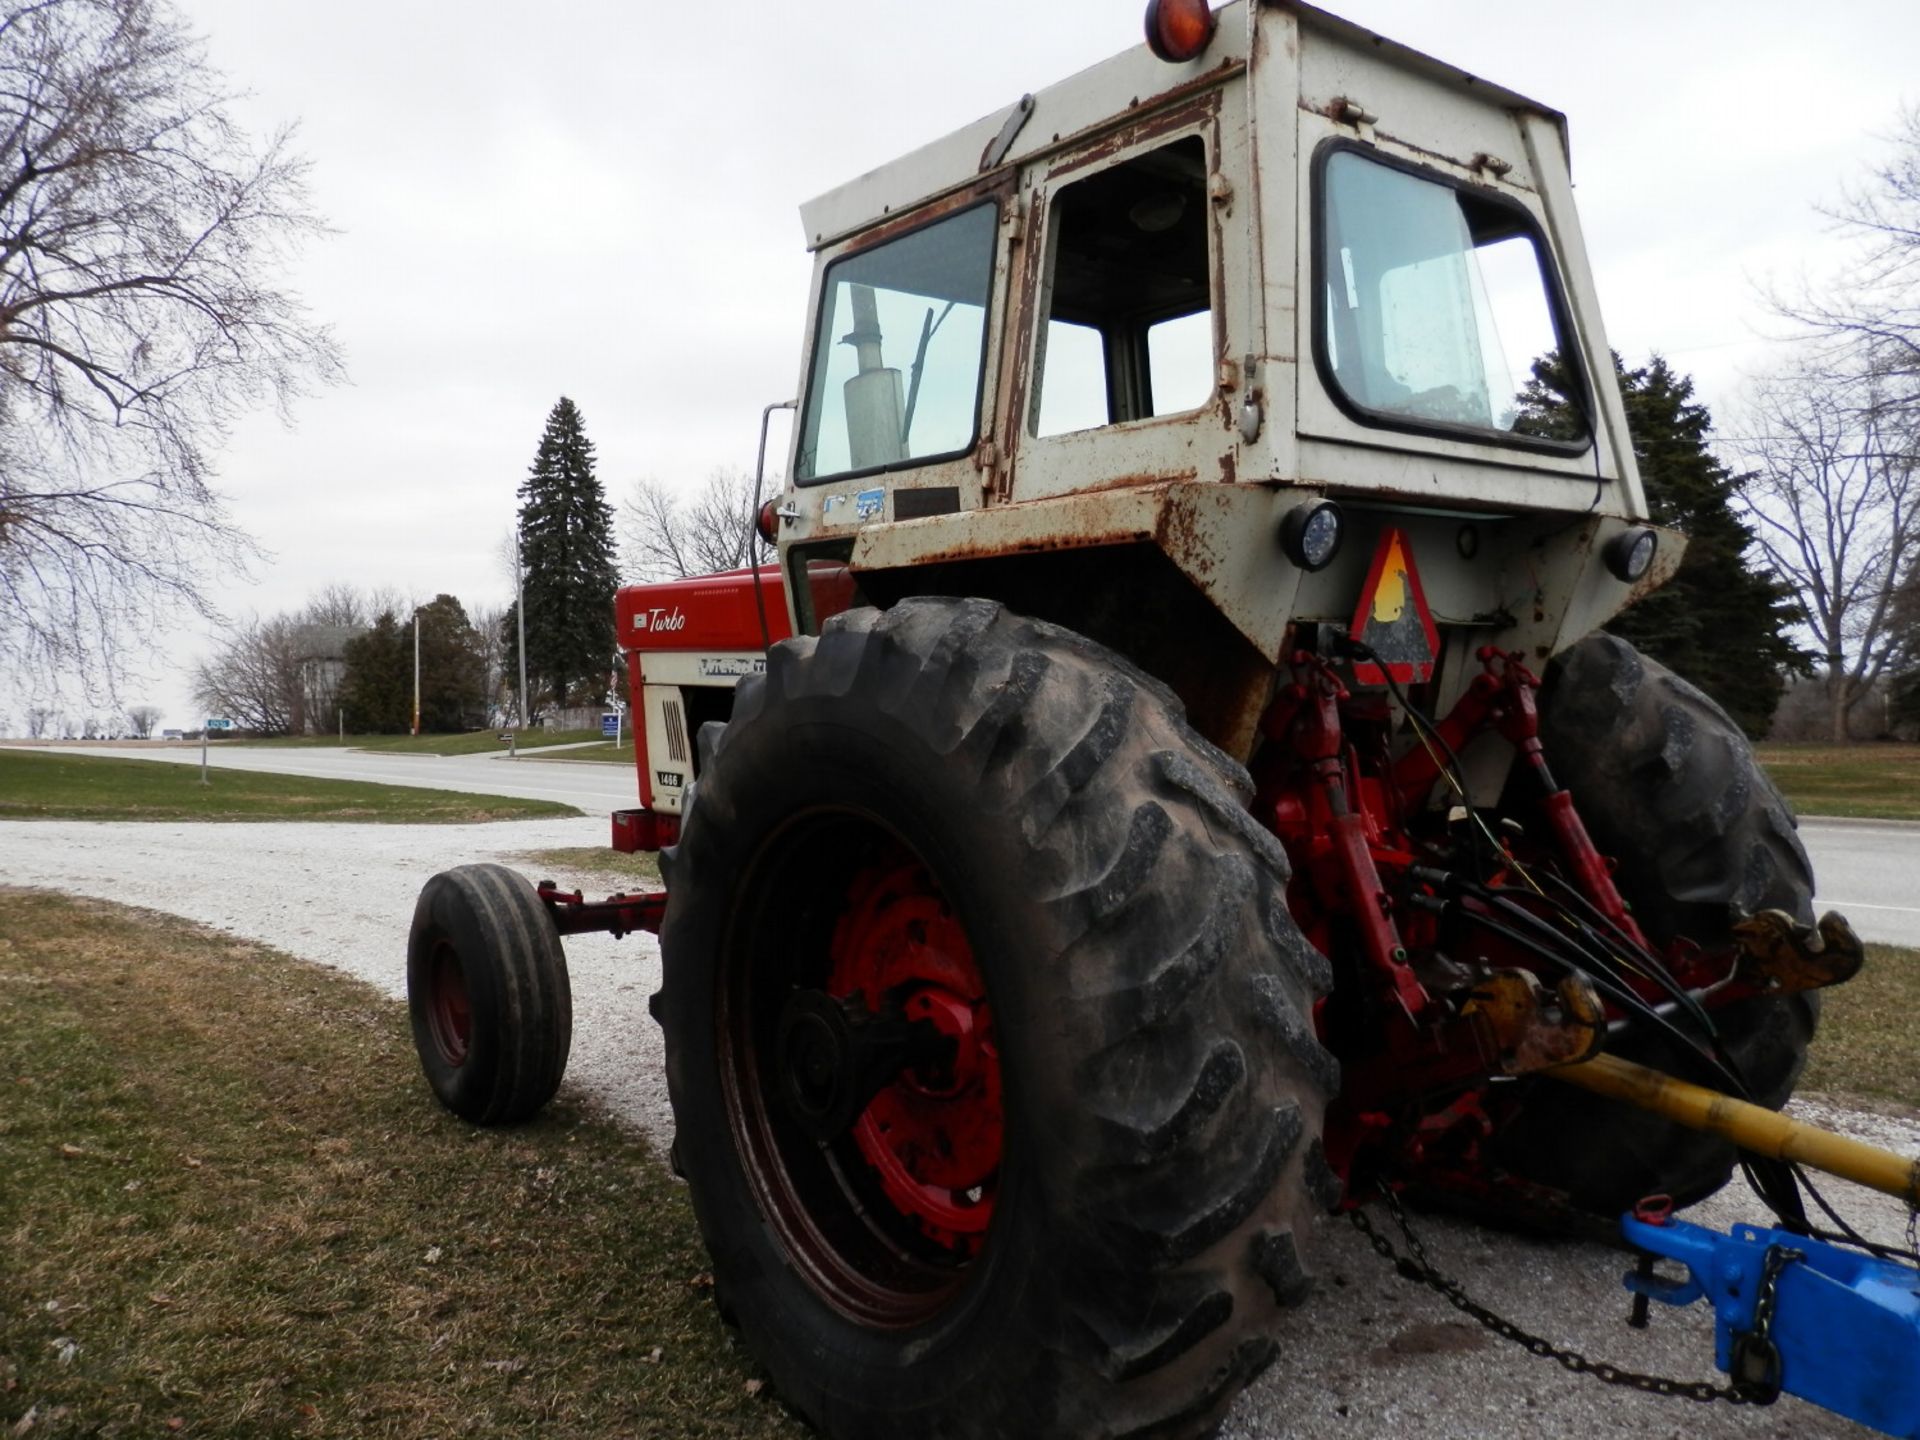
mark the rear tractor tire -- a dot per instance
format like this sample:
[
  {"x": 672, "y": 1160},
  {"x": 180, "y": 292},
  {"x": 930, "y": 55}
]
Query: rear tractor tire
[
  {"x": 1665, "y": 782},
  {"x": 488, "y": 994},
  {"x": 1076, "y": 1196}
]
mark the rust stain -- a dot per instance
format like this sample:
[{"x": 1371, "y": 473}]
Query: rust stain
[
  {"x": 1111, "y": 138},
  {"x": 1184, "y": 539},
  {"x": 1646, "y": 585},
  {"x": 1034, "y": 545},
  {"x": 999, "y": 186}
]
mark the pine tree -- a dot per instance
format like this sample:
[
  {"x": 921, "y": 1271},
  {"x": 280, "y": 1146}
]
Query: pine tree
[
  {"x": 1722, "y": 622},
  {"x": 567, "y": 551},
  {"x": 377, "y": 690}
]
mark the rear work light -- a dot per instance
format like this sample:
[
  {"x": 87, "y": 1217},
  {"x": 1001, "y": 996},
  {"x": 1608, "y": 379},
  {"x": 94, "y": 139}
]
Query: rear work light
[
  {"x": 1629, "y": 555},
  {"x": 1179, "y": 30},
  {"x": 1310, "y": 535}
]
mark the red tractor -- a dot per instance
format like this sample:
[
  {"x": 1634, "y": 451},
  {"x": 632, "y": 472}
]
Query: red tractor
[{"x": 1171, "y": 782}]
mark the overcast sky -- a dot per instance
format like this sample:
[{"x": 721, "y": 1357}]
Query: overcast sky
[{"x": 598, "y": 198}]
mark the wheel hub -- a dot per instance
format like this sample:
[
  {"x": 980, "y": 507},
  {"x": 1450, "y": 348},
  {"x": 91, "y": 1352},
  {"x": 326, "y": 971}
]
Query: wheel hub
[
  {"x": 449, "y": 1015},
  {"x": 835, "y": 1055},
  {"x": 931, "y": 1127}
]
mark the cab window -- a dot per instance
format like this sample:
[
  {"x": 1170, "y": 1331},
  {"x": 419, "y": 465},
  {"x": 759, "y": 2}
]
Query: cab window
[
  {"x": 1128, "y": 332},
  {"x": 1434, "y": 301},
  {"x": 899, "y": 350}
]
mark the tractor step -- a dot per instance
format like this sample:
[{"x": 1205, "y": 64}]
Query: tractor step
[{"x": 1796, "y": 1315}]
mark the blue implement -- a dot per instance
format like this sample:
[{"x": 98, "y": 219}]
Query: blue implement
[{"x": 1836, "y": 1327}]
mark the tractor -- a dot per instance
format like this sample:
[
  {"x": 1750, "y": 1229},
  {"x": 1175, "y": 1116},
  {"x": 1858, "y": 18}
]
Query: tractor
[{"x": 1170, "y": 780}]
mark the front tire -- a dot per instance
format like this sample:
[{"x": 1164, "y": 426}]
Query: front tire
[
  {"x": 488, "y": 994},
  {"x": 1665, "y": 782},
  {"x": 1083, "y": 1223}
]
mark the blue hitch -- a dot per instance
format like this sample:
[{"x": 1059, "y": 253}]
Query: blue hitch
[{"x": 1833, "y": 1326}]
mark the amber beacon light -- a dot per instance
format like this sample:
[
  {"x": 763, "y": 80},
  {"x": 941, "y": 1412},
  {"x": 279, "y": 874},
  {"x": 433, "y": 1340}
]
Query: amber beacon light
[{"x": 1179, "y": 30}]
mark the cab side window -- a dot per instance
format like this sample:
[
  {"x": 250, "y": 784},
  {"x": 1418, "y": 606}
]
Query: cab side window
[{"x": 1128, "y": 332}]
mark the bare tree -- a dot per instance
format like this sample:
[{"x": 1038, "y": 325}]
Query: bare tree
[
  {"x": 40, "y": 719},
  {"x": 342, "y": 605},
  {"x": 665, "y": 536},
  {"x": 254, "y": 678},
  {"x": 140, "y": 234},
  {"x": 1835, "y": 499},
  {"x": 142, "y": 719},
  {"x": 490, "y": 623},
  {"x": 1871, "y": 311},
  {"x": 283, "y": 675}
]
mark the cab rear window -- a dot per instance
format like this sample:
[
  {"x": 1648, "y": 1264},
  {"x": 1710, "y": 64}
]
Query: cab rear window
[{"x": 1434, "y": 302}]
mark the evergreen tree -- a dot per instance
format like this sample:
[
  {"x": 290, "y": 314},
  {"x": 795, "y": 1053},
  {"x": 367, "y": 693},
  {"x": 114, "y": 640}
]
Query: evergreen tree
[
  {"x": 377, "y": 689},
  {"x": 567, "y": 550},
  {"x": 453, "y": 669},
  {"x": 1722, "y": 621}
]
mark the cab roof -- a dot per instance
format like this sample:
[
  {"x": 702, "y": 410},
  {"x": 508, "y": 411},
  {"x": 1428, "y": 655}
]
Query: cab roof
[{"x": 1111, "y": 92}]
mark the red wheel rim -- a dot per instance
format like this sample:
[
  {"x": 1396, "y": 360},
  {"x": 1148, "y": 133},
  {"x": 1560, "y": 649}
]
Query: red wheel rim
[
  {"x": 449, "y": 1018},
  {"x": 934, "y": 1141},
  {"x": 885, "y": 1220}
]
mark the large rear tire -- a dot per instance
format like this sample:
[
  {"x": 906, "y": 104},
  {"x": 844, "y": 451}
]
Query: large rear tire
[
  {"x": 488, "y": 994},
  {"x": 1667, "y": 785},
  {"x": 1084, "y": 1222}
]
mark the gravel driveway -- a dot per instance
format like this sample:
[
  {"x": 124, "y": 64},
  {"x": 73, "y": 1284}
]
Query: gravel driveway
[{"x": 1369, "y": 1356}]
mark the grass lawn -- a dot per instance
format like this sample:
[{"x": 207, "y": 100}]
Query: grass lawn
[
  {"x": 1868, "y": 781},
  {"x": 621, "y": 754},
  {"x": 233, "y": 1209},
  {"x": 602, "y": 862},
  {"x": 37, "y": 786},
  {"x": 1866, "y": 1045},
  {"x": 474, "y": 742}
]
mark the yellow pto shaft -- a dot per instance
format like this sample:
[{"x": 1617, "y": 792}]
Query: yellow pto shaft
[{"x": 1751, "y": 1127}]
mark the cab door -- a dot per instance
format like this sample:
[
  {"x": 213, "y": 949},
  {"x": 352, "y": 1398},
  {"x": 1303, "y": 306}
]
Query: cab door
[{"x": 1123, "y": 369}]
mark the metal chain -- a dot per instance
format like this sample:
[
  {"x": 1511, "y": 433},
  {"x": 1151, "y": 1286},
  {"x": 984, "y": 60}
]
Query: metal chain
[
  {"x": 1754, "y": 1361},
  {"x": 1778, "y": 1258},
  {"x": 1419, "y": 1269}
]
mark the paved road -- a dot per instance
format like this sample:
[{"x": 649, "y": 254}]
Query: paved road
[
  {"x": 1870, "y": 871},
  {"x": 596, "y": 787}
]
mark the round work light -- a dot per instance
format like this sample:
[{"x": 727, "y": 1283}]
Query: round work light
[
  {"x": 1311, "y": 534},
  {"x": 1629, "y": 555}
]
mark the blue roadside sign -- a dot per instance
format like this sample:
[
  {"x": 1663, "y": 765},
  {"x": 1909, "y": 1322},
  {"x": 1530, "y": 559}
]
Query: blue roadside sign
[{"x": 610, "y": 725}]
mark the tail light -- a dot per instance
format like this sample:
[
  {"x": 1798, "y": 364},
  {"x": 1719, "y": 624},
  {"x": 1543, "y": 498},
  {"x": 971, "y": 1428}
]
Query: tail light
[{"x": 767, "y": 523}]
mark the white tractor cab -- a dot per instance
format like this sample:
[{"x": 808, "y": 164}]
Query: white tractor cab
[{"x": 1155, "y": 314}]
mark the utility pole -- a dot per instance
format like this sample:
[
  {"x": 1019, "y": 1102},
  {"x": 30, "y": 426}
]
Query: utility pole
[
  {"x": 416, "y": 672},
  {"x": 520, "y": 614}
]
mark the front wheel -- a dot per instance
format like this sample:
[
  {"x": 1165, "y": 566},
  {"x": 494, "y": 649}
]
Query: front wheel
[
  {"x": 488, "y": 995},
  {"x": 987, "y": 1036},
  {"x": 1666, "y": 782}
]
